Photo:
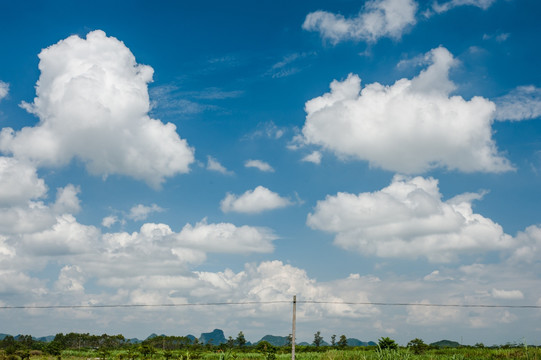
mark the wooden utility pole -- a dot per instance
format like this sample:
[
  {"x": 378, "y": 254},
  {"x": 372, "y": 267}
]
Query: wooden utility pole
[{"x": 293, "y": 330}]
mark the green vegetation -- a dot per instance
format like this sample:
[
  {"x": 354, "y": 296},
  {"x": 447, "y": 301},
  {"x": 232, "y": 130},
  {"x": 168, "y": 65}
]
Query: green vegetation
[{"x": 105, "y": 347}]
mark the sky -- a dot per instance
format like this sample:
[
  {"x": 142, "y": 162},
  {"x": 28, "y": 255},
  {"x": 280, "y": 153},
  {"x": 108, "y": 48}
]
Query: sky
[{"x": 381, "y": 151}]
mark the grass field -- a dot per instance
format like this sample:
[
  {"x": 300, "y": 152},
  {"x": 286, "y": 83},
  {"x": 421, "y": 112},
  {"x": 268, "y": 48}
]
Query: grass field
[{"x": 369, "y": 353}]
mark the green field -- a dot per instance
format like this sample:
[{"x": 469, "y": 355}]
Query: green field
[{"x": 368, "y": 353}]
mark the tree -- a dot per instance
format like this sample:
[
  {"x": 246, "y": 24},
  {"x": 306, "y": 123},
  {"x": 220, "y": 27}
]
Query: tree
[
  {"x": 241, "y": 340},
  {"x": 333, "y": 340},
  {"x": 418, "y": 346},
  {"x": 54, "y": 348},
  {"x": 343, "y": 342},
  {"x": 387, "y": 343},
  {"x": 317, "y": 339}
]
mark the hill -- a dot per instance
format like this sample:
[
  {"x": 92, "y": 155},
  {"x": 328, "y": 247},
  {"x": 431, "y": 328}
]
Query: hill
[
  {"x": 274, "y": 340},
  {"x": 446, "y": 343},
  {"x": 357, "y": 342},
  {"x": 216, "y": 337}
]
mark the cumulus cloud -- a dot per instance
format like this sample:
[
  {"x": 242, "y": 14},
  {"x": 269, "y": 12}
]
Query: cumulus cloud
[
  {"x": 528, "y": 246},
  {"x": 92, "y": 101},
  {"x": 67, "y": 200},
  {"x": 254, "y": 201},
  {"x": 408, "y": 219},
  {"x": 22, "y": 194},
  {"x": 19, "y": 182},
  {"x": 448, "y": 5},
  {"x": 214, "y": 165},
  {"x": 4, "y": 89},
  {"x": 411, "y": 126},
  {"x": 65, "y": 237},
  {"x": 259, "y": 164},
  {"x": 71, "y": 279},
  {"x": 226, "y": 238},
  {"x": 507, "y": 294},
  {"x": 378, "y": 18},
  {"x": 314, "y": 157},
  {"x": 523, "y": 103},
  {"x": 141, "y": 212}
]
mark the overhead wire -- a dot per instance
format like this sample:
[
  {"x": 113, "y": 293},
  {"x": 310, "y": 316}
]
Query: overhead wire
[{"x": 97, "y": 306}]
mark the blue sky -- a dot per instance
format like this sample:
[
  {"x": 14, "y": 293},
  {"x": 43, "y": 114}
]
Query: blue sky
[{"x": 345, "y": 151}]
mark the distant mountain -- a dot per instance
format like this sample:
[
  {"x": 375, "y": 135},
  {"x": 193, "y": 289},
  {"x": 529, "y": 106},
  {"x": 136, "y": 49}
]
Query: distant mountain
[
  {"x": 445, "y": 343},
  {"x": 215, "y": 337},
  {"x": 357, "y": 342},
  {"x": 3, "y": 336},
  {"x": 191, "y": 337},
  {"x": 47, "y": 338},
  {"x": 274, "y": 340}
]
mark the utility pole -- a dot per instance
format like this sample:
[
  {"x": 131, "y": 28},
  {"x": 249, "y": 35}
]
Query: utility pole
[{"x": 293, "y": 330}]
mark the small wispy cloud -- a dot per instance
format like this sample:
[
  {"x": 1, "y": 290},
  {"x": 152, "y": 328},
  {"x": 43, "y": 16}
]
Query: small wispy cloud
[
  {"x": 498, "y": 37},
  {"x": 4, "y": 89},
  {"x": 448, "y": 5},
  {"x": 259, "y": 164},
  {"x": 140, "y": 212},
  {"x": 522, "y": 103},
  {"x": 314, "y": 157},
  {"x": 214, "y": 165},
  {"x": 289, "y": 65},
  {"x": 267, "y": 129}
]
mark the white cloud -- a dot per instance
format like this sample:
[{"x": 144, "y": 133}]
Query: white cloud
[
  {"x": 71, "y": 279},
  {"x": 259, "y": 164},
  {"x": 254, "y": 201},
  {"x": 214, "y": 165},
  {"x": 411, "y": 126},
  {"x": 92, "y": 102},
  {"x": 4, "y": 89},
  {"x": 378, "y": 18},
  {"x": 501, "y": 37},
  {"x": 267, "y": 129},
  {"x": 226, "y": 238},
  {"x": 507, "y": 294},
  {"x": 446, "y": 6},
  {"x": 436, "y": 276},
  {"x": 523, "y": 103},
  {"x": 528, "y": 246},
  {"x": 408, "y": 219},
  {"x": 65, "y": 237},
  {"x": 67, "y": 200},
  {"x": 141, "y": 212},
  {"x": 109, "y": 221},
  {"x": 19, "y": 183},
  {"x": 314, "y": 157}
]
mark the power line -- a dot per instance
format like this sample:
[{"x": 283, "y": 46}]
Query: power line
[
  {"x": 422, "y": 304},
  {"x": 264, "y": 303}
]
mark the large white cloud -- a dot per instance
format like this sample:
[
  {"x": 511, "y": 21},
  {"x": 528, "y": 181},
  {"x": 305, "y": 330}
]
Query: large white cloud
[
  {"x": 254, "y": 201},
  {"x": 92, "y": 101},
  {"x": 408, "y": 127},
  {"x": 378, "y": 18},
  {"x": 408, "y": 219}
]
